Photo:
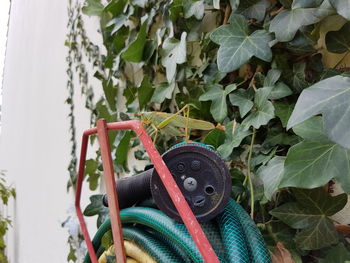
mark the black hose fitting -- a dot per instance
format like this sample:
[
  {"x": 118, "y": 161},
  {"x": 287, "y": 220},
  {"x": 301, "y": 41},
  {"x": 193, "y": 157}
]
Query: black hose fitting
[{"x": 131, "y": 190}]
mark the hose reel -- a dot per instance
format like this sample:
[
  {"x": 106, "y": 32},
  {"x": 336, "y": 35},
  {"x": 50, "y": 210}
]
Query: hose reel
[{"x": 199, "y": 172}]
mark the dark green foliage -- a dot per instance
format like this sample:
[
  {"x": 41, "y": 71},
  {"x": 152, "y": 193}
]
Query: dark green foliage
[{"x": 252, "y": 67}]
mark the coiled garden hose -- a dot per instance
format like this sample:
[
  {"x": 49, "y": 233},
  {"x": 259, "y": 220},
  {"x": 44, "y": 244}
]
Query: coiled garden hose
[{"x": 233, "y": 235}]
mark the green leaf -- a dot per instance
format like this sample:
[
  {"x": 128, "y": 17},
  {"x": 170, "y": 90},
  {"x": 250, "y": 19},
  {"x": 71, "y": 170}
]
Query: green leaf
[
  {"x": 193, "y": 8},
  {"x": 235, "y": 133},
  {"x": 215, "y": 138},
  {"x": 312, "y": 130},
  {"x": 277, "y": 231},
  {"x": 304, "y": 41},
  {"x": 162, "y": 91},
  {"x": 263, "y": 110},
  {"x": 278, "y": 90},
  {"x": 243, "y": 100},
  {"x": 283, "y": 110},
  {"x": 271, "y": 175},
  {"x": 329, "y": 97},
  {"x": 338, "y": 41},
  {"x": 216, "y": 4},
  {"x": 298, "y": 77},
  {"x": 123, "y": 147},
  {"x": 145, "y": 92},
  {"x": 96, "y": 207},
  {"x": 93, "y": 8},
  {"x": 174, "y": 52},
  {"x": 237, "y": 45},
  {"x": 342, "y": 7},
  {"x": 255, "y": 9},
  {"x": 302, "y": 13},
  {"x": 311, "y": 214},
  {"x": 316, "y": 160},
  {"x": 321, "y": 235},
  {"x": 337, "y": 254},
  {"x": 134, "y": 52},
  {"x": 218, "y": 95},
  {"x": 117, "y": 23},
  {"x": 110, "y": 92},
  {"x": 93, "y": 173}
]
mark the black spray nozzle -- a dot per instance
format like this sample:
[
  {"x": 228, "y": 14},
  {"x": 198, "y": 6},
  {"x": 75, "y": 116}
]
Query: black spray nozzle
[{"x": 131, "y": 190}]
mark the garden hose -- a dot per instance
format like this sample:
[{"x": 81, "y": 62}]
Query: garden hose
[
  {"x": 233, "y": 235},
  {"x": 134, "y": 252}
]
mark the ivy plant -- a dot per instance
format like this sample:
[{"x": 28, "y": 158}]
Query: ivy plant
[
  {"x": 6, "y": 193},
  {"x": 255, "y": 68}
]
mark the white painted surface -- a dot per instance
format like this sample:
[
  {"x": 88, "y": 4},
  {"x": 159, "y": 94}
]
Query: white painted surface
[{"x": 34, "y": 142}]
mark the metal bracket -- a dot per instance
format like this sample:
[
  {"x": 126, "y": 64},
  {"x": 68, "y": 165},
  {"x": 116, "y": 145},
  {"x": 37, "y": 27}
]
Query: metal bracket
[{"x": 173, "y": 190}]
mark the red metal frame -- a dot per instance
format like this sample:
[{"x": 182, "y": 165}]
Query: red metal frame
[{"x": 175, "y": 194}]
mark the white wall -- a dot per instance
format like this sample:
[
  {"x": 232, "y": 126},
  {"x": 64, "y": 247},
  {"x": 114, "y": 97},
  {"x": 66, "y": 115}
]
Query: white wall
[{"x": 34, "y": 142}]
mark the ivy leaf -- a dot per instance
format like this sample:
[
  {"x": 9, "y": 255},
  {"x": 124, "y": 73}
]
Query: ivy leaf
[
  {"x": 311, "y": 213},
  {"x": 316, "y": 160},
  {"x": 110, "y": 92},
  {"x": 304, "y": 41},
  {"x": 329, "y": 97},
  {"x": 253, "y": 9},
  {"x": 283, "y": 110},
  {"x": 312, "y": 130},
  {"x": 218, "y": 95},
  {"x": 263, "y": 110},
  {"x": 302, "y": 13},
  {"x": 91, "y": 169},
  {"x": 145, "y": 92},
  {"x": 342, "y": 7},
  {"x": 134, "y": 52},
  {"x": 215, "y": 138},
  {"x": 123, "y": 147},
  {"x": 117, "y": 23},
  {"x": 271, "y": 175},
  {"x": 320, "y": 236},
  {"x": 237, "y": 45},
  {"x": 276, "y": 231},
  {"x": 235, "y": 133},
  {"x": 162, "y": 91},
  {"x": 174, "y": 52},
  {"x": 243, "y": 99},
  {"x": 193, "y": 8},
  {"x": 96, "y": 207},
  {"x": 92, "y": 8},
  {"x": 298, "y": 77},
  {"x": 216, "y": 4},
  {"x": 337, "y": 41},
  {"x": 278, "y": 89},
  {"x": 336, "y": 254}
]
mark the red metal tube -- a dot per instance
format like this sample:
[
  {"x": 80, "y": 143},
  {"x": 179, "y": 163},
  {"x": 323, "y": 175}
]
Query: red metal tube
[
  {"x": 108, "y": 173},
  {"x": 79, "y": 183}
]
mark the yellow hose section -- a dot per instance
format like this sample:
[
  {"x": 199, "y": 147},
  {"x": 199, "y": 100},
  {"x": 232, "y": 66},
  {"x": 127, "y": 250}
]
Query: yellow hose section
[
  {"x": 131, "y": 260},
  {"x": 133, "y": 252}
]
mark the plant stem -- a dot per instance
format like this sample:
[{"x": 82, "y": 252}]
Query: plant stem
[{"x": 249, "y": 176}]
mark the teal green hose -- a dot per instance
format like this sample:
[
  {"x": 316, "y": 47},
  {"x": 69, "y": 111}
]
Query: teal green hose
[{"x": 234, "y": 236}]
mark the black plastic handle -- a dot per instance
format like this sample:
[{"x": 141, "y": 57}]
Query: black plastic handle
[{"x": 132, "y": 190}]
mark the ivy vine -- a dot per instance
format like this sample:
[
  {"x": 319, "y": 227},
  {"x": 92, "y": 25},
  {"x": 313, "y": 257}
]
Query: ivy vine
[
  {"x": 6, "y": 193},
  {"x": 258, "y": 68}
]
